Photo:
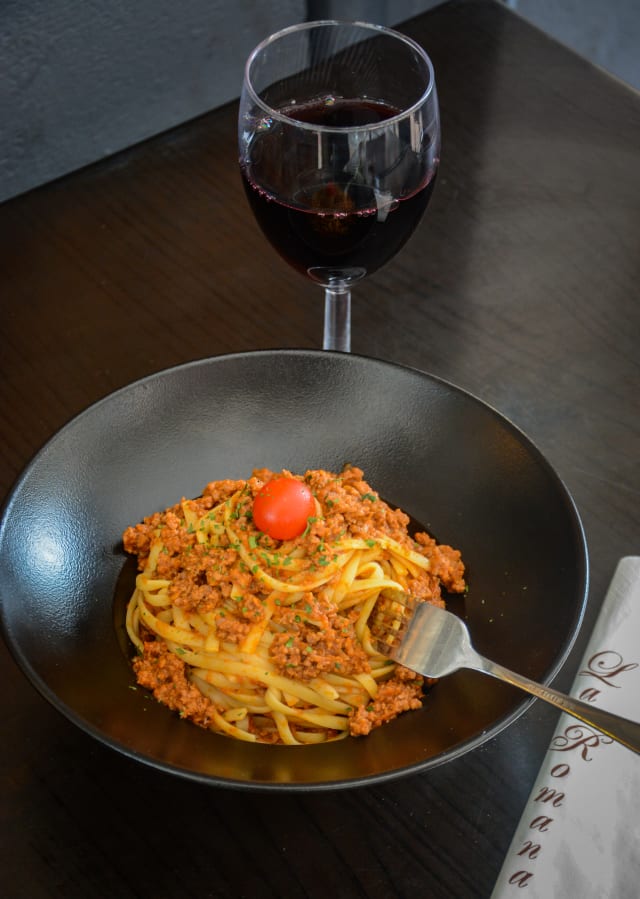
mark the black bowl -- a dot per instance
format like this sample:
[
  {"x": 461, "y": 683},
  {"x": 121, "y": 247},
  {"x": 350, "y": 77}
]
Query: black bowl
[{"x": 455, "y": 465}]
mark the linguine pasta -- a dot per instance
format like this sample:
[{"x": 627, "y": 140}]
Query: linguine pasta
[{"x": 268, "y": 640}]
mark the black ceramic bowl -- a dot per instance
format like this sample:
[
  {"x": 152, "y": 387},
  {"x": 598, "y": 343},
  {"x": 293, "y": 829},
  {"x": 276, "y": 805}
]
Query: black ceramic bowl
[{"x": 455, "y": 465}]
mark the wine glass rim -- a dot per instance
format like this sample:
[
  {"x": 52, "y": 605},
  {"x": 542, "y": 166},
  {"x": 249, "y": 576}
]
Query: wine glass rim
[{"x": 305, "y": 26}]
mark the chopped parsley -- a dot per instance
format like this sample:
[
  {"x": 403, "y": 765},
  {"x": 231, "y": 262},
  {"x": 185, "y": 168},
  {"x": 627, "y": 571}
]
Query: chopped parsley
[{"x": 311, "y": 520}]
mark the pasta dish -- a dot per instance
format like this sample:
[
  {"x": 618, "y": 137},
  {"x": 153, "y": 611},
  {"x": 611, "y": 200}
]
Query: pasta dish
[{"x": 250, "y": 610}]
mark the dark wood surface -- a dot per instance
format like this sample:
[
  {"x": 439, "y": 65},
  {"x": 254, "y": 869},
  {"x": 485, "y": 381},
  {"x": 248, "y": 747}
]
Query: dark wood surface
[{"x": 521, "y": 285}]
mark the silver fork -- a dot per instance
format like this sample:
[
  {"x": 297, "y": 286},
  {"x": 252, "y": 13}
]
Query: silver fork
[{"x": 434, "y": 643}]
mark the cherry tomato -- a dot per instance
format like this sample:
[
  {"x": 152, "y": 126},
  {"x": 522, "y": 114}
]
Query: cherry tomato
[{"x": 282, "y": 507}]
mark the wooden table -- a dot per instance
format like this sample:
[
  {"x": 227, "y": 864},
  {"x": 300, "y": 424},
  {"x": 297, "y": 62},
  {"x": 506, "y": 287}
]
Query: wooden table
[{"x": 521, "y": 285}]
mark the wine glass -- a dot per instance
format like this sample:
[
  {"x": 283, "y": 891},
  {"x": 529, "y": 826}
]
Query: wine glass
[{"x": 339, "y": 140}]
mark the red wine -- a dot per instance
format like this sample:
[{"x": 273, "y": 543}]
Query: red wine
[
  {"x": 326, "y": 217},
  {"x": 341, "y": 113}
]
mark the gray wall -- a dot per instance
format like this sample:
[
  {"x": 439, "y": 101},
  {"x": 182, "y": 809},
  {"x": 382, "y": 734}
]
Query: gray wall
[
  {"x": 82, "y": 79},
  {"x": 607, "y": 32}
]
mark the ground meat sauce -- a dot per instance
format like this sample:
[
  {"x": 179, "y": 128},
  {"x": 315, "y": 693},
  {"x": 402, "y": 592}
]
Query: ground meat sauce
[
  {"x": 162, "y": 672},
  {"x": 394, "y": 696},
  {"x": 315, "y": 637},
  {"x": 325, "y": 642}
]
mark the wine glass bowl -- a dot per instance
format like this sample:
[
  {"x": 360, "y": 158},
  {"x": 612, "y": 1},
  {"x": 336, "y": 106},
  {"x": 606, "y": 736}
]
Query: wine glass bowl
[{"x": 339, "y": 143}]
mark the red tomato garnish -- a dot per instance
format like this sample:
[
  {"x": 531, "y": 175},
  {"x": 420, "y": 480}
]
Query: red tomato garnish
[{"x": 282, "y": 507}]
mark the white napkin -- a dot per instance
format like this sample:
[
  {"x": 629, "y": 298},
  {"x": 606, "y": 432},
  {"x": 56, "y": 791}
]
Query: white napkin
[{"x": 579, "y": 835}]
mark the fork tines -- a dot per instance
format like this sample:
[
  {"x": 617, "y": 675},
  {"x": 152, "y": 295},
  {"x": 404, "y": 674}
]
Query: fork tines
[{"x": 390, "y": 619}]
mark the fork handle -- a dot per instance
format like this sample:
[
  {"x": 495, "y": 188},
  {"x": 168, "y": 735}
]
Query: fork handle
[{"x": 620, "y": 729}]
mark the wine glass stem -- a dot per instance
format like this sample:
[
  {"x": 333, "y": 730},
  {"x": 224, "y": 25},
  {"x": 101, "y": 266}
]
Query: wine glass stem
[{"x": 337, "y": 318}]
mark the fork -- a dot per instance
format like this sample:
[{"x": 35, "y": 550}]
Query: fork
[{"x": 433, "y": 642}]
